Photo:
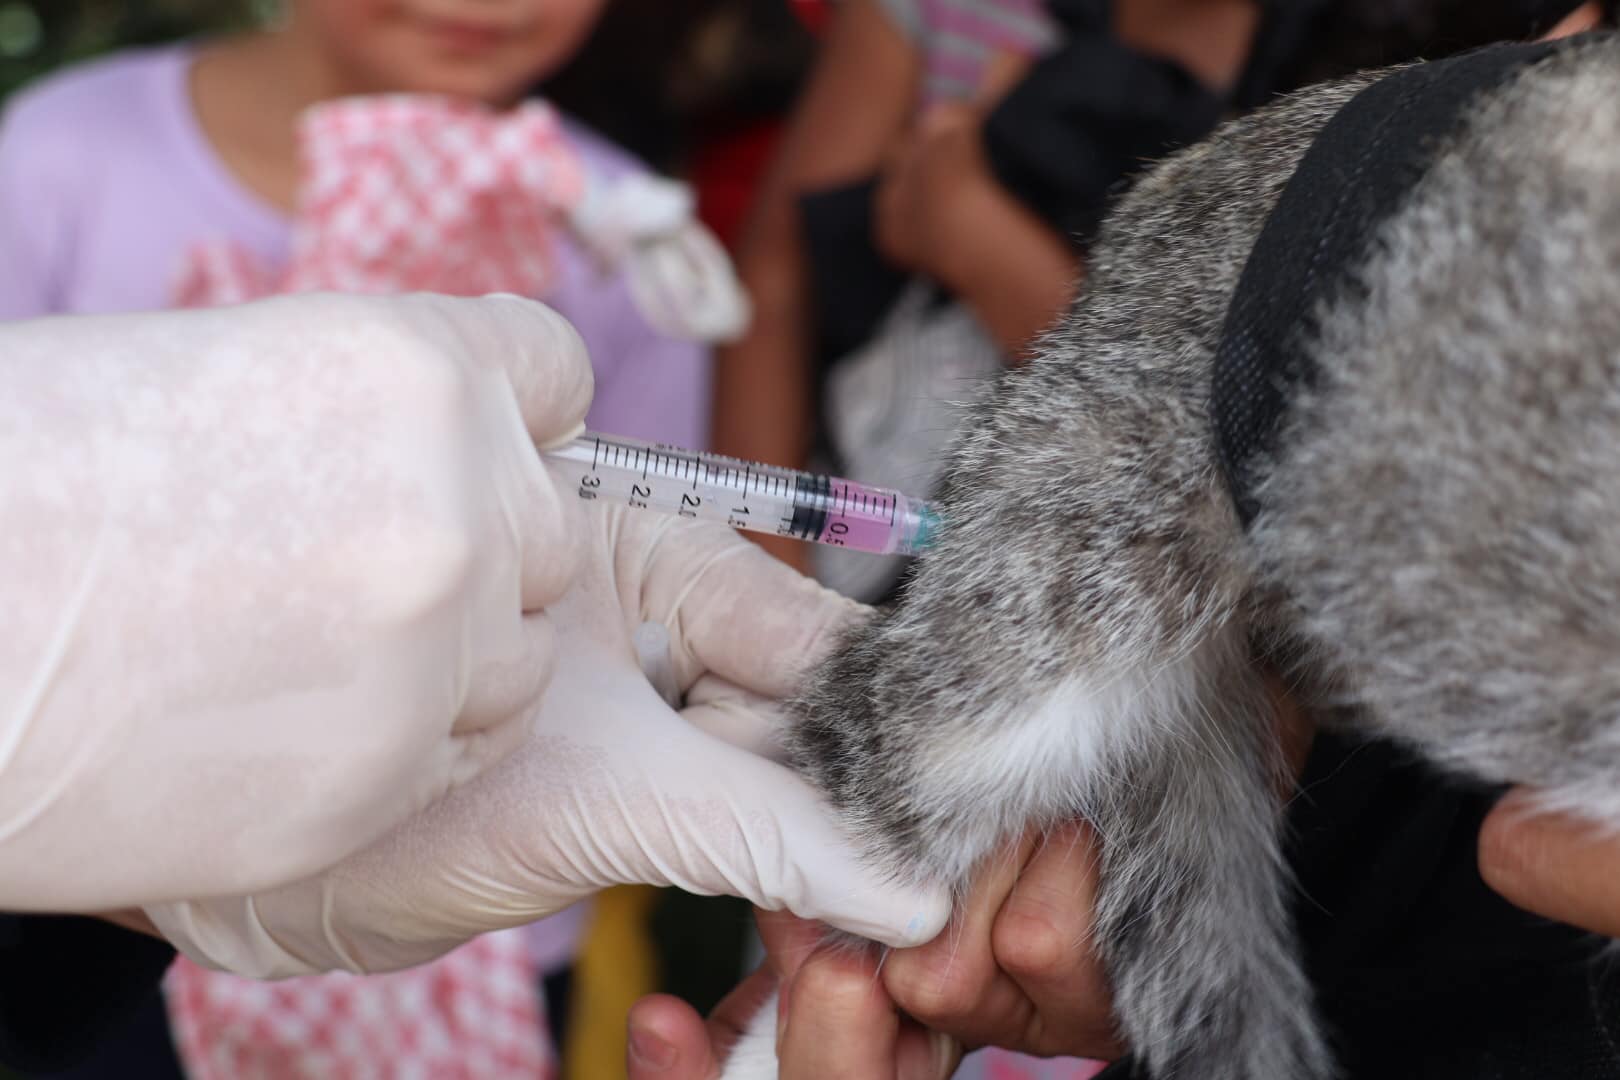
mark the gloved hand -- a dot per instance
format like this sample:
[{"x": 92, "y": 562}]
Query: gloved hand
[
  {"x": 264, "y": 573},
  {"x": 612, "y": 786}
]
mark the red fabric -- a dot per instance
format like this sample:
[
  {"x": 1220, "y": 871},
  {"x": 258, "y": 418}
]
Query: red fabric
[
  {"x": 726, "y": 172},
  {"x": 726, "y": 175},
  {"x": 472, "y": 1015},
  {"x": 403, "y": 193},
  {"x": 813, "y": 13}
]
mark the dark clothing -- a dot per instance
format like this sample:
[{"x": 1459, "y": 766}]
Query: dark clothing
[
  {"x": 1301, "y": 42},
  {"x": 1094, "y": 111},
  {"x": 140, "y": 1046},
  {"x": 1087, "y": 116},
  {"x": 1420, "y": 971},
  {"x": 66, "y": 983}
]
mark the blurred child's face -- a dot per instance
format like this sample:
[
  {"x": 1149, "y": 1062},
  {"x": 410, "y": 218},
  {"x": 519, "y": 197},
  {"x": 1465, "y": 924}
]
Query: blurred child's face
[{"x": 491, "y": 50}]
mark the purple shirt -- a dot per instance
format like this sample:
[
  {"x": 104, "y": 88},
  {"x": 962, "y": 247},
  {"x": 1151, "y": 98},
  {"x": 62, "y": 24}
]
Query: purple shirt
[{"x": 107, "y": 181}]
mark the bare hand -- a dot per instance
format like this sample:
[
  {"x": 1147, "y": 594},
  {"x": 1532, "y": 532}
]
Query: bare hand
[
  {"x": 835, "y": 1020},
  {"x": 1014, "y": 969},
  {"x": 925, "y": 195},
  {"x": 1554, "y": 865},
  {"x": 670, "y": 1041}
]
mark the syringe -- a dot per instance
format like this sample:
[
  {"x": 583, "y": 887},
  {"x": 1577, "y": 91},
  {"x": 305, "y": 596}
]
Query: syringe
[{"x": 763, "y": 498}]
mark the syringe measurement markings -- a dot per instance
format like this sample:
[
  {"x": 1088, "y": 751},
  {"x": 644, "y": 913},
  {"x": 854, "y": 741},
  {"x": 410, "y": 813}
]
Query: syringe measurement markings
[{"x": 715, "y": 476}]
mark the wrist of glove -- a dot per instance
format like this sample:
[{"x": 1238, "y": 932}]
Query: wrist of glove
[{"x": 610, "y": 785}]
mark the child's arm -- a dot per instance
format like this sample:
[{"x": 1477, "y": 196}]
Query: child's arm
[
  {"x": 942, "y": 212},
  {"x": 853, "y": 112}
]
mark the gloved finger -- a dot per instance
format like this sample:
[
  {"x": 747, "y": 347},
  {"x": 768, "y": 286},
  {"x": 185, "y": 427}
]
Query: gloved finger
[
  {"x": 548, "y": 370},
  {"x": 1552, "y": 864},
  {"x": 742, "y": 718},
  {"x": 507, "y": 684},
  {"x": 735, "y": 611},
  {"x": 682, "y": 808},
  {"x": 545, "y": 387},
  {"x": 548, "y": 529},
  {"x": 952, "y": 983},
  {"x": 836, "y": 1020},
  {"x": 770, "y": 838},
  {"x": 543, "y": 356}
]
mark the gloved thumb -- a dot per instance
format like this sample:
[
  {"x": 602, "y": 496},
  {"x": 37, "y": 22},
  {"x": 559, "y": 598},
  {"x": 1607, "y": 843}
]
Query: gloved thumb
[
  {"x": 543, "y": 356},
  {"x": 790, "y": 852},
  {"x": 735, "y": 611}
]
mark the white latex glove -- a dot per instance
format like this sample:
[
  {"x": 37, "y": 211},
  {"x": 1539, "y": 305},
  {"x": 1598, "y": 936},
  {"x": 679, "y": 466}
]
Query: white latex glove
[
  {"x": 611, "y": 787},
  {"x": 262, "y": 580}
]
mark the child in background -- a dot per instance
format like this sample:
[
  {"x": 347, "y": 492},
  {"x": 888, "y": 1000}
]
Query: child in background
[
  {"x": 111, "y": 174},
  {"x": 222, "y": 171}
]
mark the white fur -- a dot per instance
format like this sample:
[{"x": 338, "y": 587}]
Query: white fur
[
  {"x": 753, "y": 1056},
  {"x": 1036, "y": 761}
]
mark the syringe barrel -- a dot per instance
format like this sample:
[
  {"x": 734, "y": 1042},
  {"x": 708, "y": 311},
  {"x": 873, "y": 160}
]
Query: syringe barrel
[{"x": 614, "y": 469}]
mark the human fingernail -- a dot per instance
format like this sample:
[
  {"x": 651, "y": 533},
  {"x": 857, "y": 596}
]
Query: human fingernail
[{"x": 650, "y": 1051}]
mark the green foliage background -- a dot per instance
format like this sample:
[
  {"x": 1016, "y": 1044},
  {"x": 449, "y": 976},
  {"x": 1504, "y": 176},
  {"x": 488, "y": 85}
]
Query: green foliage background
[{"x": 37, "y": 36}]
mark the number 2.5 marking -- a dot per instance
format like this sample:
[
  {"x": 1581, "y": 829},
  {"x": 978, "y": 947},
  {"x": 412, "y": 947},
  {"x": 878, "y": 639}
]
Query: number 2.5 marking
[{"x": 639, "y": 494}]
